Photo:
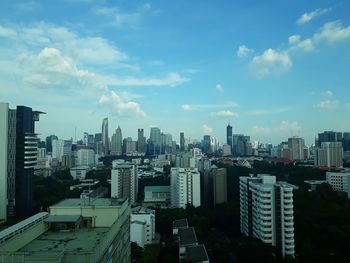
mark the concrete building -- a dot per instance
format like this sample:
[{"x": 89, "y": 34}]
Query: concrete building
[
  {"x": 329, "y": 155},
  {"x": 214, "y": 187},
  {"x": 79, "y": 172},
  {"x": 229, "y": 136},
  {"x": 158, "y": 196},
  {"x": 85, "y": 157},
  {"x": 185, "y": 187},
  {"x": 182, "y": 141},
  {"x": 143, "y": 226},
  {"x": 124, "y": 181},
  {"x": 266, "y": 211},
  {"x": 141, "y": 141},
  {"x": 339, "y": 181},
  {"x": 296, "y": 148},
  {"x": 4, "y": 123},
  {"x": 61, "y": 148},
  {"x": 226, "y": 150},
  {"x": 75, "y": 230}
]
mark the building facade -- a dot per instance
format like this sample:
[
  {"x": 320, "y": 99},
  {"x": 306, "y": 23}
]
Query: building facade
[
  {"x": 266, "y": 211},
  {"x": 339, "y": 181},
  {"x": 143, "y": 225}
]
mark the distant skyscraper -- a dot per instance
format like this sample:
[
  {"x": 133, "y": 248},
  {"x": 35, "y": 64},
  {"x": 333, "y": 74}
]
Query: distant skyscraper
[
  {"x": 182, "y": 141},
  {"x": 346, "y": 141},
  {"x": 141, "y": 141},
  {"x": 329, "y": 155},
  {"x": 119, "y": 141},
  {"x": 49, "y": 140},
  {"x": 296, "y": 148},
  {"x": 4, "y": 123},
  {"x": 105, "y": 138},
  {"x": 328, "y": 136},
  {"x": 155, "y": 141},
  {"x": 214, "y": 186},
  {"x": 229, "y": 135}
]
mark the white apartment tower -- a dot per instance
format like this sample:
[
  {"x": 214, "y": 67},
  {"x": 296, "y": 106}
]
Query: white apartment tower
[
  {"x": 185, "y": 187},
  {"x": 266, "y": 211},
  {"x": 329, "y": 155},
  {"x": 124, "y": 182}
]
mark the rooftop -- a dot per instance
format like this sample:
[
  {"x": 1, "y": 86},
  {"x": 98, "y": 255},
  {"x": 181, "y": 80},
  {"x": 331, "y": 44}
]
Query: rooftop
[
  {"x": 158, "y": 189},
  {"x": 90, "y": 202},
  {"x": 187, "y": 236},
  {"x": 81, "y": 240},
  {"x": 196, "y": 253},
  {"x": 180, "y": 223},
  {"x": 141, "y": 210}
]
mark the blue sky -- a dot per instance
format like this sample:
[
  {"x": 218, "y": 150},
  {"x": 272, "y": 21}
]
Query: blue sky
[{"x": 272, "y": 69}]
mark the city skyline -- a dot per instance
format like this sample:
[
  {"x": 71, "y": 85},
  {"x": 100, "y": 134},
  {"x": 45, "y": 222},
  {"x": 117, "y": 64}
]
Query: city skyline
[{"x": 271, "y": 71}]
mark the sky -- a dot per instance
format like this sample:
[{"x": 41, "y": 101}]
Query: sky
[{"x": 272, "y": 69}]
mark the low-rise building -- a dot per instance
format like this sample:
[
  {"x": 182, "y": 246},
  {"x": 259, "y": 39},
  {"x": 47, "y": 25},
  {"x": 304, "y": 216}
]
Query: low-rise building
[
  {"x": 339, "y": 181},
  {"x": 142, "y": 229},
  {"x": 75, "y": 230},
  {"x": 79, "y": 172},
  {"x": 157, "y": 196}
]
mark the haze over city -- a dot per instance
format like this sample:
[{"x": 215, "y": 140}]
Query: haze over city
[{"x": 272, "y": 70}]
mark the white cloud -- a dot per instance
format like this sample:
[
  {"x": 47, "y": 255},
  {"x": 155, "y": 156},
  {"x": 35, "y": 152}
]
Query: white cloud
[
  {"x": 261, "y": 130},
  {"x": 328, "y": 104},
  {"x": 306, "y": 45},
  {"x": 333, "y": 32},
  {"x": 291, "y": 127},
  {"x": 27, "y": 6},
  {"x": 207, "y": 130},
  {"x": 121, "y": 108},
  {"x": 243, "y": 51},
  {"x": 307, "y": 17},
  {"x": 327, "y": 93},
  {"x": 188, "y": 107},
  {"x": 7, "y": 32},
  {"x": 294, "y": 39},
  {"x": 268, "y": 111},
  {"x": 270, "y": 62},
  {"x": 219, "y": 88},
  {"x": 224, "y": 114}
]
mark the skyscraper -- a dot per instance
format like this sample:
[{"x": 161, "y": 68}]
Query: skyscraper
[
  {"x": 328, "y": 136},
  {"x": 26, "y": 159},
  {"x": 119, "y": 141},
  {"x": 4, "y": 122},
  {"x": 182, "y": 141},
  {"x": 105, "y": 138},
  {"x": 141, "y": 141},
  {"x": 296, "y": 147},
  {"x": 229, "y": 135},
  {"x": 155, "y": 141},
  {"x": 330, "y": 154}
]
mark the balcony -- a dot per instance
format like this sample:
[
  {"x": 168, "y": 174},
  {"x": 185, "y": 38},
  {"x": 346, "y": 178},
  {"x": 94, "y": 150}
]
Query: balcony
[
  {"x": 289, "y": 235},
  {"x": 288, "y": 212},
  {"x": 287, "y": 224}
]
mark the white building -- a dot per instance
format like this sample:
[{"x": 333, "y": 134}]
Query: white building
[
  {"x": 329, "y": 155},
  {"x": 266, "y": 211},
  {"x": 142, "y": 225},
  {"x": 339, "y": 181},
  {"x": 85, "y": 157},
  {"x": 79, "y": 172},
  {"x": 124, "y": 182},
  {"x": 296, "y": 147},
  {"x": 185, "y": 187}
]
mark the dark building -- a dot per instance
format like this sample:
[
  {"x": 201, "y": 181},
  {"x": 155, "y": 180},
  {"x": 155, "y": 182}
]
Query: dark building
[
  {"x": 229, "y": 135},
  {"x": 214, "y": 187},
  {"x": 98, "y": 137},
  {"x": 26, "y": 159},
  {"x": 182, "y": 141},
  {"x": 328, "y": 136},
  {"x": 206, "y": 144},
  {"x": 346, "y": 141},
  {"x": 49, "y": 140}
]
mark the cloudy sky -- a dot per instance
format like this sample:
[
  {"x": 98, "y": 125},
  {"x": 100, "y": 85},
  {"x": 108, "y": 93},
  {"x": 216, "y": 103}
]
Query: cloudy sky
[{"x": 271, "y": 68}]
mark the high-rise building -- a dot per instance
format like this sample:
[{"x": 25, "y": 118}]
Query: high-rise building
[
  {"x": 85, "y": 157},
  {"x": 296, "y": 148},
  {"x": 155, "y": 141},
  {"x": 93, "y": 230},
  {"x": 182, "y": 141},
  {"x": 124, "y": 182},
  {"x": 49, "y": 140},
  {"x": 4, "y": 123},
  {"x": 141, "y": 141},
  {"x": 328, "y": 136},
  {"x": 105, "y": 138},
  {"x": 329, "y": 155},
  {"x": 206, "y": 144},
  {"x": 339, "y": 181},
  {"x": 241, "y": 145},
  {"x": 214, "y": 186},
  {"x": 185, "y": 187},
  {"x": 26, "y": 159},
  {"x": 61, "y": 148},
  {"x": 143, "y": 225},
  {"x": 117, "y": 142},
  {"x": 346, "y": 141},
  {"x": 229, "y": 135},
  {"x": 266, "y": 211}
]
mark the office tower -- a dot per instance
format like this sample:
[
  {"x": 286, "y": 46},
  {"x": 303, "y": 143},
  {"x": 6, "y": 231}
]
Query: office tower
[
  {"x": 241, "y": 145},
  {"x": 85, "y": 157},
  {"x": 155, "y": 141},
  {"x": 229, "y": 135},
  {"x": 328, "y": 136},
  {"x": 226, "y": 150},
  {"x": 182, "y": 141},
  {"x": 206, "y": 144},
  {"x": 266, "y": 211},
  {"x": 114, "y": 144},
  {"x": 329, "y": 155},
  {"x": 26, "y": 159},
  {"x": 214, "y": 186},
  {"x": 124, "y": 182},
  {"x": 339, "y": 181},
  {"x": 61, "y": 148},
  {"x": 346, "y": 141},
  {"x": 49, "y": 140},
  {"x": 185, "y": 187},
  {"x": 296, "y": 148},
  {"x": 4, "y": 123},
  {"x": 98, "y": 137},
  {"x": 141, "y": 141},
  {"x": 93, "y": 230},
  {"x": 105, "y": 138},
  {"x": 129, "y": 146},
  {"x": 119, "y": 141}
]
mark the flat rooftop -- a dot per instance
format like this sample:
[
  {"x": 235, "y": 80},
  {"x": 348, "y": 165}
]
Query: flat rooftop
[
  {"x": 180, "y": 223},
  {"x": 92, "y": 202},
  {"x": 158, "y": 189},
  {"x": 81, "y": 240},
  {"x": 187, "y": 236},
  {"x": 196, "y": 253}
]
